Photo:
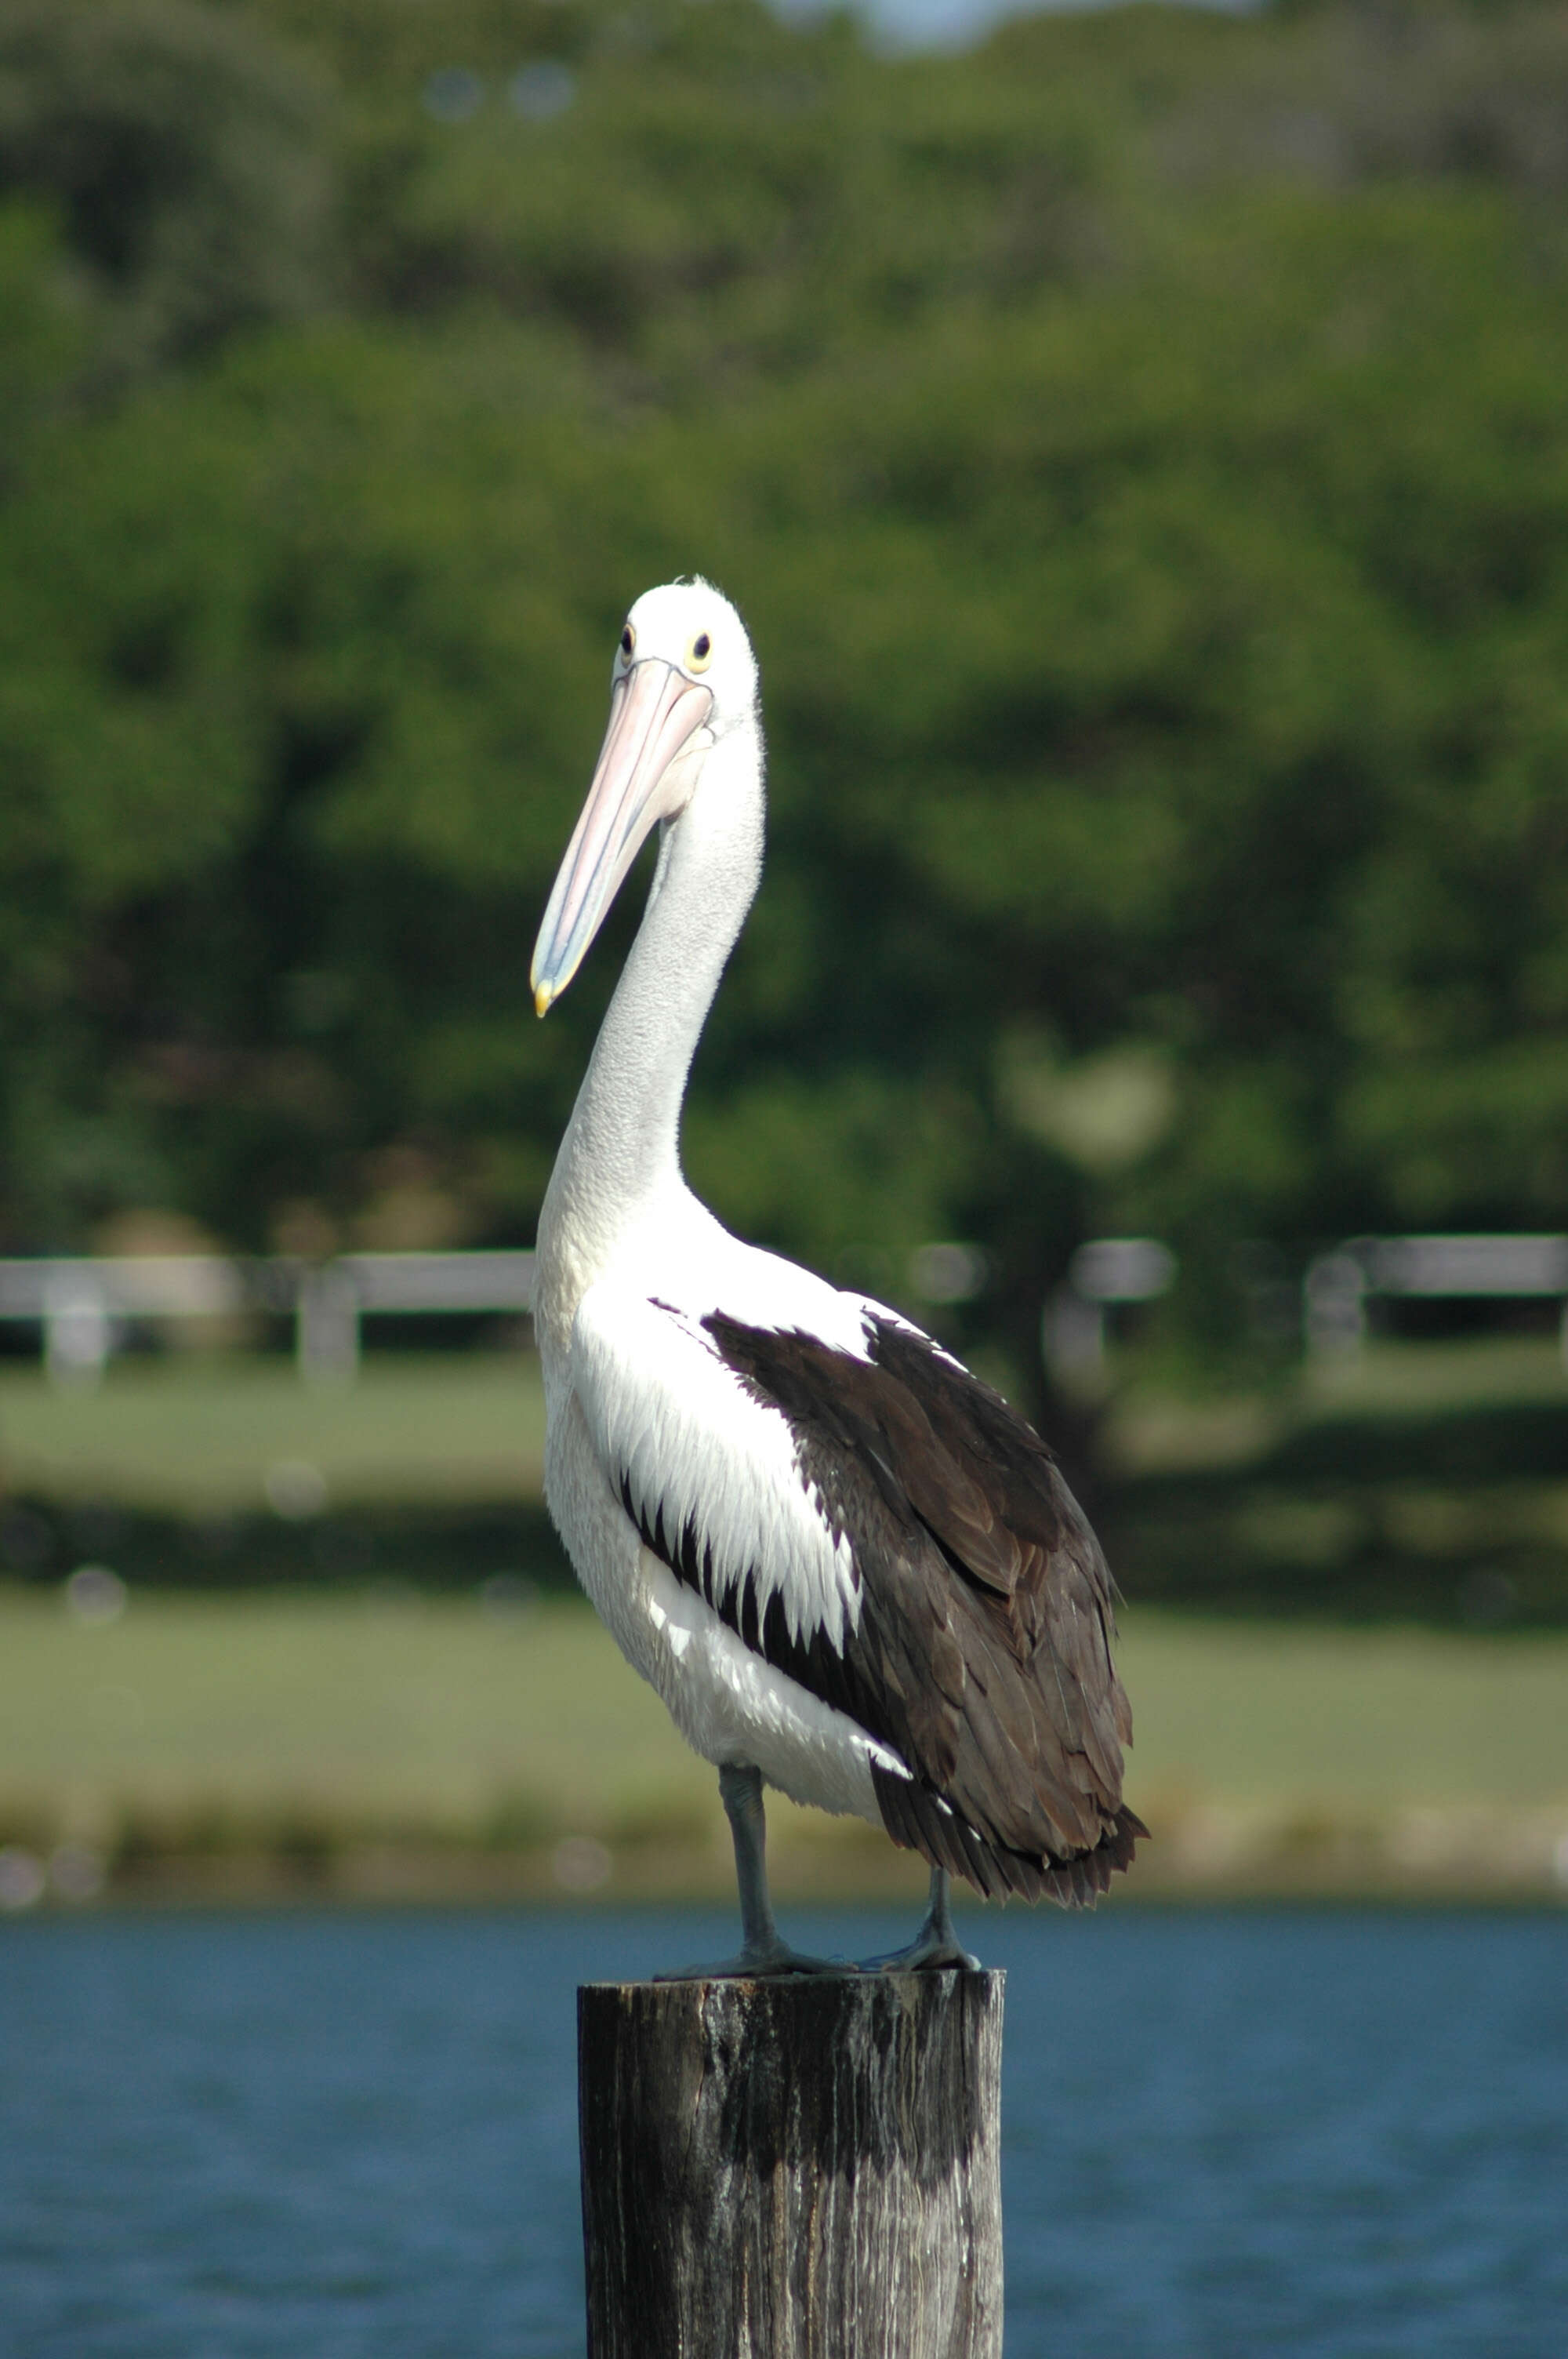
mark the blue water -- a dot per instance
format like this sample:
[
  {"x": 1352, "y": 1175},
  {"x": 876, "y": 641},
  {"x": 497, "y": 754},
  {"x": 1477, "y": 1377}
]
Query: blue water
[{"x": 354, "y": 2137}]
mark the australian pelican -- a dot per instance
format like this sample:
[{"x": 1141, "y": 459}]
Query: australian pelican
[{"x": 848, "y": 1567}]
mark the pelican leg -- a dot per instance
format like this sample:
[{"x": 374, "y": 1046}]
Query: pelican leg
[
  {"x": 764, "y": 1949},
  {"x": 935, "y": 1944}
]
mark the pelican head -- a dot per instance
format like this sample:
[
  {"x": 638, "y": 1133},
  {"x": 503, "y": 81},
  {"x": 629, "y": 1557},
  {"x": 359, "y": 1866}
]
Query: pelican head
[{"x": 683, "y": 676}]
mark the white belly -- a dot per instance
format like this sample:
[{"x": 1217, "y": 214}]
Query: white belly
[{"x": 728, "y": 1705}]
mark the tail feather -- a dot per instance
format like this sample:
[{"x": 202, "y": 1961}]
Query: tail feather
[{"x": 917, "y": 1819}]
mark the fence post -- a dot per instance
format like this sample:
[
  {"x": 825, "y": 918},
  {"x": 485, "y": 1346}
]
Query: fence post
[
  {"x": 326, "y": 1326},
  {"x": 800, "y": 2168},
  {"x": 78, "y": 1333}
]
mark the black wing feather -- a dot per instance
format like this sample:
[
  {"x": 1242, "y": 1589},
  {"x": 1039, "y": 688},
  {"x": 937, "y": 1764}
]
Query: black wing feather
[{"x": 982, "y": 1651}]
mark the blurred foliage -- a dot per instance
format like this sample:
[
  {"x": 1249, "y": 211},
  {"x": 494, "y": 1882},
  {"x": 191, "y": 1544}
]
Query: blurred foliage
[
  {"x": 187, "y": 156},
  {"x": 1139, "y": 447}
]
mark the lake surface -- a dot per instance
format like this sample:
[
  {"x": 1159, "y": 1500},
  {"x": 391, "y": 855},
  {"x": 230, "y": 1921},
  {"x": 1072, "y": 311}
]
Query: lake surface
[{"x": 344, "y": 2137}]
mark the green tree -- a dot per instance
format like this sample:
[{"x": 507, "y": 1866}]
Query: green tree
[{"x": 1154, "y": 528}]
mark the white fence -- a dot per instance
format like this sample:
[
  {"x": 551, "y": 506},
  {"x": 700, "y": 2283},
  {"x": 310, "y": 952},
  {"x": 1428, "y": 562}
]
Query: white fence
[
  {"x": 1335, "y": 1291},
  {"x": 1503, "y": 1268},
  {"x": 1106, "y": 1270},
  {"x": 82, "y": 1306}
]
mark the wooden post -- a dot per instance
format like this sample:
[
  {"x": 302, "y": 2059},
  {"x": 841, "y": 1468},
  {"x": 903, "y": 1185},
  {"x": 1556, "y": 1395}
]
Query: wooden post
[{"x": 801, "y": 2169}]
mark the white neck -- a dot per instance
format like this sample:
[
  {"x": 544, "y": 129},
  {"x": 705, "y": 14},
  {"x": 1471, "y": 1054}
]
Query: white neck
[{"x": 620, "y": 1154}]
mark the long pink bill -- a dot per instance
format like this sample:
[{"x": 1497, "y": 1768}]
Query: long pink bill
[{"x": 653, "y": 711}]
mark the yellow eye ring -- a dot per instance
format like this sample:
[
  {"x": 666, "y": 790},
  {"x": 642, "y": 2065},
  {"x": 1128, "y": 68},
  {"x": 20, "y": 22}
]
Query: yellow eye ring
[
  {"x": 628, "y": 643},
  {"x": 699, "y": 654}
]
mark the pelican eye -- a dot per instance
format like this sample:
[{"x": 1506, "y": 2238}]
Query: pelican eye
[
  {"x": 628, "y": 642},
  {"x": 699, "y": 654}
]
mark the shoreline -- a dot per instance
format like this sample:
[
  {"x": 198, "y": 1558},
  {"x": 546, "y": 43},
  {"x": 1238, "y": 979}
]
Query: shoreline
[{"x": 1209, "y": 1855}]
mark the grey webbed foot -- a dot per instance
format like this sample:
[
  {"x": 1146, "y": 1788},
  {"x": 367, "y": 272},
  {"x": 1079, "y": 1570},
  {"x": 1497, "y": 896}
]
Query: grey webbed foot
[{"x": 935, "y": 1945}]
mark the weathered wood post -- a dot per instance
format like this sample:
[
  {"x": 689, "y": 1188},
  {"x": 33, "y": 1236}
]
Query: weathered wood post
[{"x": 803, "y": 2168}]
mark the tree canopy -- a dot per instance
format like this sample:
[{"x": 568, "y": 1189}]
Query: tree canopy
[{"x": 1139, "y": 448}]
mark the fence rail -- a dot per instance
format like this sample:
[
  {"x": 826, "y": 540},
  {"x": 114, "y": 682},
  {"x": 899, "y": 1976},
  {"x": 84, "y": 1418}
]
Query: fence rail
[
  {"x": 1338, "y": 1286},
  {"x": 83, "y": 1305}
]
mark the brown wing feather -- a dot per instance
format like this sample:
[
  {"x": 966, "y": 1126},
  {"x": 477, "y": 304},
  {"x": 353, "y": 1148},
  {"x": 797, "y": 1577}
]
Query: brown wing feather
[{"x": 983, "y": 1646}]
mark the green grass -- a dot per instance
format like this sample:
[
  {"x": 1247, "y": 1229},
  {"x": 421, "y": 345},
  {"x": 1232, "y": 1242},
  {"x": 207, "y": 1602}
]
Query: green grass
[
  {"x": 1387, "y": 1378},
  {"x": 1408, "y": 1481},
  {"x": 386, "y": 1740},
  {"x": 204, "y": 1728},
  {"x": 197, "y": 1434},
  {"x": 1154, "y": 1427},
  {"x": 1348, "y": 1720},
  {"x": 394, "y": 1705}
]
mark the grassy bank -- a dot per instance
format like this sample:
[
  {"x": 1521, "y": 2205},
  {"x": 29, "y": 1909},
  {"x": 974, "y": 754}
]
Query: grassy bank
[
  {"x": 203, "y": 1435},
  {"x": 342, "y": 1667},
  {"x": 272, "y": 1743},
  {"x": 1412, "y": 1484},
  {"x": 1406, "y": 1482}
]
